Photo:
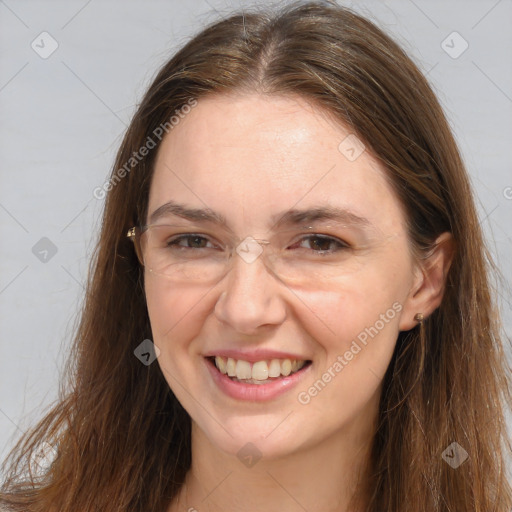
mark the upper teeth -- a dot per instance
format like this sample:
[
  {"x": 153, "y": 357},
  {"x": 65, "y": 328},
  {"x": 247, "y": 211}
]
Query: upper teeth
[{"x": 261, "y": 370}]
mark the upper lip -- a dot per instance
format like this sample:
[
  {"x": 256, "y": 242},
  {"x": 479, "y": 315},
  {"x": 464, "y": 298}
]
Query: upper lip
[{"x": 253, "y": 356}]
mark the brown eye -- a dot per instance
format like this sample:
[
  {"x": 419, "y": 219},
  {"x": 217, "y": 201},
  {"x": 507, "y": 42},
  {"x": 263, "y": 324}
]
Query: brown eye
[
  {"x": 191, "y": 242},
  {"x": 324, "y": 244}
]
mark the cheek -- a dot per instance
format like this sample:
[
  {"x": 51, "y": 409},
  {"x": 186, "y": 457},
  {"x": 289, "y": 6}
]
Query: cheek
[
  {"x": 171, "y": 313},
  {"x": 357, "y": 329},
  {"x": 353, "y": 304}
]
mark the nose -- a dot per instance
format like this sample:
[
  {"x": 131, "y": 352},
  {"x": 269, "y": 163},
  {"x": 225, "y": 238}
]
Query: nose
[{"x": 251, "y": 297}]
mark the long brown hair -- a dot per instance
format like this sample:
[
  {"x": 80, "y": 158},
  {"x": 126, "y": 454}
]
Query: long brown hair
[{"x": 121, "y": 438}]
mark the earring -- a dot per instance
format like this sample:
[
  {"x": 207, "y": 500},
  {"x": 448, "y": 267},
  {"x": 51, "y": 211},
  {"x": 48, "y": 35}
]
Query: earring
[{"x": 419, "y": 317}]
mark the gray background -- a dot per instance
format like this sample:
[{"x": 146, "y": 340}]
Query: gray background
[{"x": 62, "y": 119}]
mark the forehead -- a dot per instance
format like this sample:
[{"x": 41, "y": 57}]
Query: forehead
[{"x": 249, "y": 157}]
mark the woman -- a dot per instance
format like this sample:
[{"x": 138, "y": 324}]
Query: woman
[{"x": 289, "y": 306}]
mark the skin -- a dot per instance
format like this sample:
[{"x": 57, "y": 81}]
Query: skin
[{"x": 248, "y": 157}]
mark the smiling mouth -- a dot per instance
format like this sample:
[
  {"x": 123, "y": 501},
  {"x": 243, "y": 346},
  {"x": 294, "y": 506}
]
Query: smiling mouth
[{"x": 260, "y": 372}]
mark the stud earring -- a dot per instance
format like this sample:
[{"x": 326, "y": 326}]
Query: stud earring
[{"x": 419, "y": 317}]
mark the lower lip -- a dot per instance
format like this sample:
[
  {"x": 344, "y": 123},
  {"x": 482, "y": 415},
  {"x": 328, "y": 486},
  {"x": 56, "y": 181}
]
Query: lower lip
[{"x": 255, "y": 392}]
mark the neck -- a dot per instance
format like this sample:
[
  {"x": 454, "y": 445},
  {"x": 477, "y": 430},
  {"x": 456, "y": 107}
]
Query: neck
[{"x": 323, "y": 477}]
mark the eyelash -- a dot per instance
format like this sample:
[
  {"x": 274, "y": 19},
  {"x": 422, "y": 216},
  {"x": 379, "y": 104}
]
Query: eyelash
[{"x": 342, "y": 245}]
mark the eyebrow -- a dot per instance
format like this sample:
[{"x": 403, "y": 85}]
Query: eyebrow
[{"x": 291, "y": 217}]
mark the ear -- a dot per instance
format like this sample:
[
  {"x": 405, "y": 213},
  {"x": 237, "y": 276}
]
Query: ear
[{"x": 429, "y": 284}]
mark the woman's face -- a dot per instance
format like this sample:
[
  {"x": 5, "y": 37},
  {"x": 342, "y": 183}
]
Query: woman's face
[{"x": 251, "y": 159}]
